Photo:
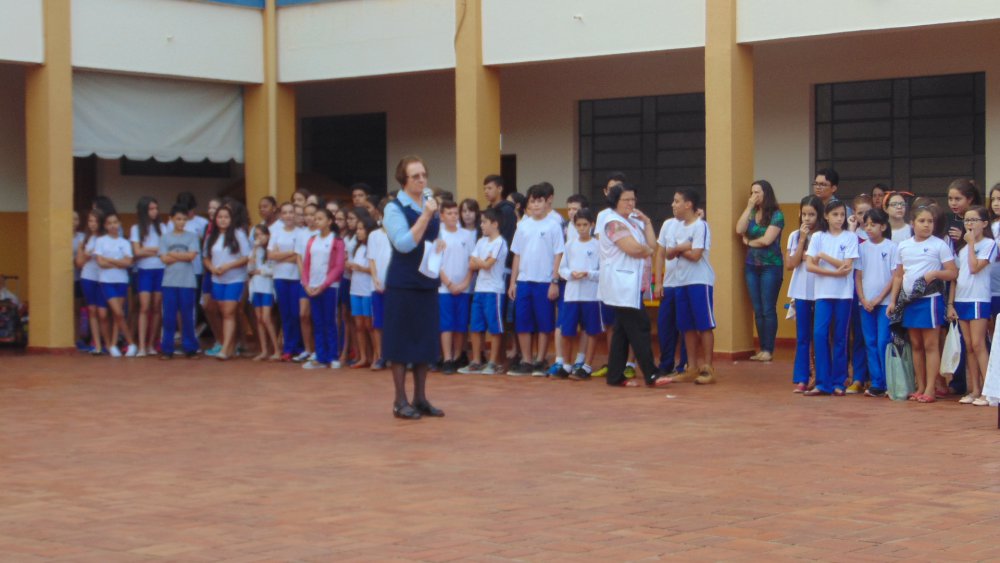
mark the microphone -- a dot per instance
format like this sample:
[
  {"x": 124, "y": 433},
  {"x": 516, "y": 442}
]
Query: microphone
[{"x": 427, "y": 194}]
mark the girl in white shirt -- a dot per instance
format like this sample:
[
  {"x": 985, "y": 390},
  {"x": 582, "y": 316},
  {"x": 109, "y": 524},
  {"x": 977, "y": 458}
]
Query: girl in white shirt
[
  {"x": 800, "y": 289},
  {"x": 361, "y": 291},
  {"x": 831, "y": 256},
  {"x": 346, "y": 224},
  {"x": 262, "y": 292},
  {"x": 227, "y": 252},
  {"x": 994, "y": 202},
  {"x": 322, "y": 269},
  {"x": 928, "y": 257},
  {"x": 287, "y": 288},
  {"x": 896, "y": 206},
  {"x": 145, "y": 238},
  {"x": 877, "y": 261},
  {"x": 114, "y": 256},
  {"x": 969, "y": 300},
  {"x": 86, "y": 260}
]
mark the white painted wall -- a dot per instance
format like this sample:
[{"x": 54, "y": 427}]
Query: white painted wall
[
  {"x": 352, "y": 38},
  {"x": 420, "y": 116},
  {"x": 21, "y": 34},
  {"x": 170, "y": 38},
  {"x": 13, "y": 174},
  {"x": 125, "y": 191},
  {"x": 762, "y": 20},
  {"x": 786, "y": 72},
  {"x": 517, "y": 31}
]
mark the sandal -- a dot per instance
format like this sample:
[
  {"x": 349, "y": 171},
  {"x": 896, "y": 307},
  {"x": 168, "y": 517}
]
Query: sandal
[
  {"x": 838, "y": 393},
  {"x": 814, "y": 392},
  {"x": 755, "y": 357},
  {"x": 926, "y": 399},
  {"x": 800, "y": 388},
  {"x": 913, "y": 397},
  {"x": 629, "y": 383},
  {"x": 662, "y": 381}
]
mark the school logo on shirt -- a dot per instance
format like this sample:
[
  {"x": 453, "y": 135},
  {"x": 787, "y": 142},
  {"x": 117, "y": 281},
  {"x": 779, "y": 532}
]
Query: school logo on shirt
[
  {"x": 925, "y": 250},
  {"x": 884, "y": 254},
  {"x": 843, "y": 247}
]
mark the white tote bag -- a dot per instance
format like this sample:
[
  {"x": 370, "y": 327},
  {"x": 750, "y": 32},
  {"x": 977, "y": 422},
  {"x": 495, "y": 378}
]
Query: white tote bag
[{"x": 951, "y": 356}]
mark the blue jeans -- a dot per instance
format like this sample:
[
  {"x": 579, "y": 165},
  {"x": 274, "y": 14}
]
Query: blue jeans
[
  {"x": 288, "y": 307},
  {"x": 831, "y": 366},
  {"x": 764, "y": 282},
  {"x": 859, "y": 355},
  {"x": 324, "y": 318},
  {"x": 667, "y": 333},
  {"x": 875, "y": 326},
  {"x": 178, "y": 300},
  {"x": 803, "y": 339}
]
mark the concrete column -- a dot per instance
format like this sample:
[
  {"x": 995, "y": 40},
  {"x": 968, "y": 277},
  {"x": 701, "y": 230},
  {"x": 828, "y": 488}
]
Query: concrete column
[
  {"x": 729, "y": 170},
  {"x": 477, "y": 104},
  {"x": 49, "y": 149},
  {"x": 269, "y": 126}
]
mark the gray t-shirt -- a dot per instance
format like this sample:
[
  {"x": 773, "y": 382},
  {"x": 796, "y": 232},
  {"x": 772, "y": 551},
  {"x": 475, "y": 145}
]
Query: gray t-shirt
[{"x": 180, "y": 274}]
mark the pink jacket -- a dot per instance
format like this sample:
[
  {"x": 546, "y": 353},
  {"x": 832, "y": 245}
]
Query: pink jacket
[{"x": 336, "y": 267}]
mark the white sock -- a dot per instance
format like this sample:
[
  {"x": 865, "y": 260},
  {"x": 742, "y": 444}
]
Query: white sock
[
  {"x": 587, "y": 368},
  {"x": 579, "y": 358},
  {"x": 560, "y": 360},
  {"x": 630, "y": 365}
]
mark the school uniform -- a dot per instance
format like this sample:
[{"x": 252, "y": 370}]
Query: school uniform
[
  {"x": 580, "y": 307},
  {"x": 994, "y": 269},
  {"x": 490, "y": 291},
  {"x": 877, "y": 262},
  {"x": 229, "y": 286},
  {"x": 180, "y": 288},
  {"x": 350, "y": 243},
  {"x": 149, "y": 275},
  {"x": 834, "y": 298},
  {"x": 78, "y": 238},
  {"x": 801, "y": 288},
  {"x": 380, "y": 252},
  {"x": 361, "y": 284},
  {"x": 859, "y": 350},
  {"x": 972, "y": 291},
  {"x": 537, "y": 242},
  {"x": 902, "y": 233},
  {"x": 454, "y": 309},
  {"x": 607, "y": 312},
  {"x": 114, "y": 281},
  {"x": 666, "y": 320},
  {"x": 262, "y": 281},
  {"x": 695, "y": 280},
  {"x": 288, "y": 288},
  {"x": 323, "y": 267},
  {"x": 305, "y": 235},
  {"x": 90, "y": 276},
  {"x": 917, "y": 259}
]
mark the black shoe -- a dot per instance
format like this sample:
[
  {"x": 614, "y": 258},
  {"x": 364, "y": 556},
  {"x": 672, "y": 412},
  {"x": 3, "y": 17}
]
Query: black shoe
[
  {"x": 580, "y": 374},
  {"x": 462, "y": 361},
  {"x": 436, "y": 366},
  {"x": 448, "y": 367},
  {"x": 428, "y": 409},
  {"x": 405, "y": 411}
]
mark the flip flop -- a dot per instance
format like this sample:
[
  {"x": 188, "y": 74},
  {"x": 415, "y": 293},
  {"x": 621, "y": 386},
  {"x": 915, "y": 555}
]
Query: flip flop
[{"x": 926, "y": 399}]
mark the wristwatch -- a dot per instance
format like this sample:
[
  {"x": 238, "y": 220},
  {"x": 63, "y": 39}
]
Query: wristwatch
[{"x": 555, "y": 280}]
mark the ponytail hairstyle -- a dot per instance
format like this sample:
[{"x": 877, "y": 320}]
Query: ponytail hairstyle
[
  {"x": 229, "y": 237},
  {"x": 817, "y": 205},
  {"x": 142, "y": 210},
  {"x": 824, "y": 223},
  {"x": 370, "y": 226},
  {"x": 330, "y": 215},
  {"x": 969, "y": 190}
]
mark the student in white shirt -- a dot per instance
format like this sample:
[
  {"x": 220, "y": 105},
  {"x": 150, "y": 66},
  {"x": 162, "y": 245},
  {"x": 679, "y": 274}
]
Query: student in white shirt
[
  {"x": 831, "y": 255},
  {"x": 94, "y": 300},
  {"x": 455, "y": 294},
  {"x": 534, "y": 285},
  {"x": 877, "y": 260},
  {"x": 347, "y": 223},
  {"x": 580, "y": 267},
  {"x": 926, "y": 257},
  {"x": 114, "y": 256},
  {"x": 664, "y": 272},
  {"x": 690, "y": 243},
  {"x": 994, "y": 207},
  {"x": 487, "y": 260},
  {"x": 896, "y": 206},
  {"x": 322, "y": 271},
  {"x": 145, "y": 237},
  {"x": 306, "y": 233},
  {"x": 262, "y": 291},
  {"x": 287, "y": 285},
  {"x": 227, "y": 252},
  {"x": 380, "y": 253},
  {"x": 862, "y": 203},
  {"x": 801, "y": 289},
  {"x": 969, "y": 302},
  {"x": 361, "y": 291}
]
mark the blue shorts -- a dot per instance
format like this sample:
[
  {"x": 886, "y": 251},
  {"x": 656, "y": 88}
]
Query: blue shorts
[
  {"x": 361, "y": 306},
  {"x": 262, "y": 299},
  {"x": 227, "y": 291},
  {"x": 487, "y": 313},
  {"x": 150, "y": 281},
  {"x": 302, "y": 292},
  {"x": 995, "y": 305},
  {"x": 926, "y": 312},
  {"x": 694, "y": 308},
  {"x": 587, "y": 314},
  {"x": 607, "y": 316},
  {"x": 534, "y": 311},
  {"x": 378, "y": 309},
  {"x": 92, "y": 294},
  {"x": 114, "y": 290},
  {"x": 454, "y": 312},
  {"x": 972, "y": 310}
]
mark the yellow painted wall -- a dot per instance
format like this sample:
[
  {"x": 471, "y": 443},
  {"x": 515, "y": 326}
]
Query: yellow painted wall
[{"x": 14, "y": 250}]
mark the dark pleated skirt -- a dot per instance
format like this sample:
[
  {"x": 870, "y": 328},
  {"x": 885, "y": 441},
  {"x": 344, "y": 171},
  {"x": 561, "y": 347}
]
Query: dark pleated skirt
[{"x": 411, "y": 333}]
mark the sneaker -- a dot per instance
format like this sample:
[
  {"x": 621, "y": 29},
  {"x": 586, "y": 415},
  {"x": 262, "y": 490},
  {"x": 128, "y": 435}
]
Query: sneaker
[
  {"x": 967, "y": 400},
  {"x": 214, "y": 350},
  {"x": 874, "y": 392},
  {"x": 472, "y": 368},
  {"x": 489, "y": 369},
  {"x": 95, "y": 351},
  {"x": 562, "y": 373},
  {"x": 855, "y": 388},
  {"x": 286, "y": 357},
  {"x": 629, "y": 372},
  {"x": 707, "y": 376},
  {"x": 378, "y": 365},
  {"x": 580, "y": 374},
  {"x": 115, "y": 352},
  {"x": 448, "y": 367},
  {"x": 131, "y": 351},
  {"x": 600, "y": 372},
  {"x": 300, "y": 358},
  {"x": 311, "y": 357},
  {"x": 980, "y": 402},
  {"x": 436, "y": 366},
  {"x": 191, "y": 355},
  {"x": 554, "y": 370},
  {"x": 336, "y": 364},
  {"x": 140, "y": 354},
  {"x": 521, "y": 369},
  {"x": 151, "y": 351},
  {"x": 539, "y": 369},
  {"x": 312, "y": 364}
]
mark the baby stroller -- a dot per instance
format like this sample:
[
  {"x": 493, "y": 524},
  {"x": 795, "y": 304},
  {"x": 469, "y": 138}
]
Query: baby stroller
[{"x": 12, "y": 331}]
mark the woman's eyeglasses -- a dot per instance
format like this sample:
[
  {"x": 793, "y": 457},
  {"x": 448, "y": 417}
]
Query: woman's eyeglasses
[
  {"x": 972, "y": 221},
  {"x": 898, "y": 204}
]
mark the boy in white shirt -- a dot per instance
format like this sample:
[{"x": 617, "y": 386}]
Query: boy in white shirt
[
  {"x": 665, "y": 273},
  {"x": 454, "y": 295},
  {"x": 580, "y": 268},
  {"x": 380, "y": 252},
  {"x": 534, "y": 285},
  {"x": 488, "y": 259}
]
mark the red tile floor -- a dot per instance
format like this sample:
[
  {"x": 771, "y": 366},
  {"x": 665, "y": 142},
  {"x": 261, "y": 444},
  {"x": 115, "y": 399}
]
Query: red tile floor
[{"x": 141, "y": 460}]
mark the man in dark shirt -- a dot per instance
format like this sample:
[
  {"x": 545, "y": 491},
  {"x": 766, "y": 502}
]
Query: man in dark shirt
[{"x": 496, "y": 198}]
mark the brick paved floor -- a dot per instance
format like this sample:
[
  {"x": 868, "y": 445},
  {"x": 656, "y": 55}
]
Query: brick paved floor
[{"x": 104, "y": 460}]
